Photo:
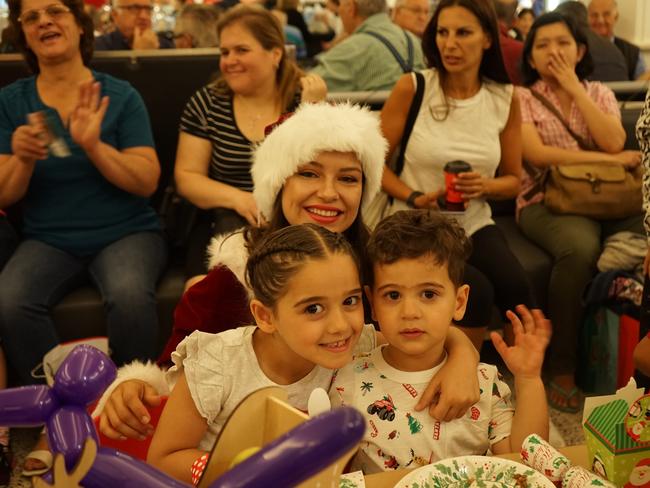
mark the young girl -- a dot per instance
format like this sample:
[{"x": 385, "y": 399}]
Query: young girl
[{"x": 309, "y": 314}]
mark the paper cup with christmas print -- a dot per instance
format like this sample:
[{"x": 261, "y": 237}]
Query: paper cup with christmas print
[
  {"x": 542, "y": 457},
  {"x": 579, "y": 477}
]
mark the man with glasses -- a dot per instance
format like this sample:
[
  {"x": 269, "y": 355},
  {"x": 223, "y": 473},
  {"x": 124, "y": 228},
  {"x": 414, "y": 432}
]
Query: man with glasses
[
  {"x": 412, "y": 15},
  {"x": 132, "y": 19}
]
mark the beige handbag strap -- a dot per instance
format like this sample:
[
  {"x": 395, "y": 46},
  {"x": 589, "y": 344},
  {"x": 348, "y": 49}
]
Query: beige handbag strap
[{"x": 582, "y": 142}]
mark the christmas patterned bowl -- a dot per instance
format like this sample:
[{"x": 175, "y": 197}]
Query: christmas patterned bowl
[{"x": 475, "y": 472}]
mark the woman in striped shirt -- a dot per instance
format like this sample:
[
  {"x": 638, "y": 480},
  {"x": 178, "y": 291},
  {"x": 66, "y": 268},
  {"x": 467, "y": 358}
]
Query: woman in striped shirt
[{"x": 222, "y": 122}]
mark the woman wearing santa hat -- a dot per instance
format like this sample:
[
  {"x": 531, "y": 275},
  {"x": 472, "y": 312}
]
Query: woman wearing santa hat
[{"x": 322, "y": 165}]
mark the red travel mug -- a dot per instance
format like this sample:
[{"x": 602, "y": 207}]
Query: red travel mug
[{"x": 453, "y": 199}]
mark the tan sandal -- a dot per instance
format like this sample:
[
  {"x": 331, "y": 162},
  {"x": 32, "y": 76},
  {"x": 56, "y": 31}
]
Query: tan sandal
[{"x": 42, "y": 455}]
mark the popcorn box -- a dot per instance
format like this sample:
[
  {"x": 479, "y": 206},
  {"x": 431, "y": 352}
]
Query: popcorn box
[{"x": 613, "y": 453}]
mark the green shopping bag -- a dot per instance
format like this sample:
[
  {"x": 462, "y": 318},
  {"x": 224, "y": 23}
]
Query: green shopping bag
[{"x": 598, "y": 351}]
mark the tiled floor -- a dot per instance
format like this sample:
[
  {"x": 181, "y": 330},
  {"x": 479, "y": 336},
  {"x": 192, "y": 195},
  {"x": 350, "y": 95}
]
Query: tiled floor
[{"x": 22, "y": 441}]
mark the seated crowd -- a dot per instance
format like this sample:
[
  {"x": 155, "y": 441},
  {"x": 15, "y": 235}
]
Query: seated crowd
[{"x": 476, "y": 81}]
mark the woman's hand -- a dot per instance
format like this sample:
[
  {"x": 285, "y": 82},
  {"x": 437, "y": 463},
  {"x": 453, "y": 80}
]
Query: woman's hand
[
  {"x": 565, "y": 74},
  {"x": 247, "y": 208},
  {"x": 86, "y": 119},
  {"x": 629, "y": 159},
  {"x": 29, "y": 144},
  {"x": 532, "y": 336},
  {"x": 125, "y": 413},
  {"x": 472, "y": 185},
  {"x": 314, "y": 88},
  {"x": 428, "y": 200}
]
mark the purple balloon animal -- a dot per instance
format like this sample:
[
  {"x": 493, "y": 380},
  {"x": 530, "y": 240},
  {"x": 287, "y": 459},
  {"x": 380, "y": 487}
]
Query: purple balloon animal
[{"x": 85, "y": 374}]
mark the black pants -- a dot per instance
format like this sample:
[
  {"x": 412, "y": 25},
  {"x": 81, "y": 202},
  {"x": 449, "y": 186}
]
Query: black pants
[
  {"x": 8, "y": 241},
  {"x": 209, "y": 223},
  {"x": 492, "y": 257},
  {"x": 481, "y": 298}
]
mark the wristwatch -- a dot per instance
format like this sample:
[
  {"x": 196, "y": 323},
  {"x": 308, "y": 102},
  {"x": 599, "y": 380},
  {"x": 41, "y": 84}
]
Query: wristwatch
[{"x": 410, "y": 201}]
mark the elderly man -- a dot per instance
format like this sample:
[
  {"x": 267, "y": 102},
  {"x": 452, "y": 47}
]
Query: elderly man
[
  {"x": 132, "y": 19},
  {"x": 375, "y": 54},
  {"x": 603, "y": 15},
  {"x": 609, "y": 64},
  {"x": 412, "y": 15}
]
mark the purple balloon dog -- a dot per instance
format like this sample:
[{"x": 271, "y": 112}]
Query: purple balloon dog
[
  {"x": 81, "y": 379},
  {"x": 85, "y": 374}
]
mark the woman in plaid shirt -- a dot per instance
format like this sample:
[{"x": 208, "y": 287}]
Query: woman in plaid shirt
[{"x": 556, "y": 64}]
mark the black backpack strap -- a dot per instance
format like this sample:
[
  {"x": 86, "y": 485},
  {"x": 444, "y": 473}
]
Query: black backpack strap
[
  {"x": 409, "y": 51},
  {"x": 406, "y": 67},
  {"x": 410, "y": 121}
]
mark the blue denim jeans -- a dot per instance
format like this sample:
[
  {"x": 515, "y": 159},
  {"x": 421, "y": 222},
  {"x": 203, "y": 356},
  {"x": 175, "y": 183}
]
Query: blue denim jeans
[
  {"x": 38, "y": 276},
  {"x": 8, "y": 241}
]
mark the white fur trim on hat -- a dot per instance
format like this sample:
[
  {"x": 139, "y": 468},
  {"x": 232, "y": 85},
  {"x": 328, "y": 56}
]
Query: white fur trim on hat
[
  {"x": 229, "y": 251},
  {"x": 314, "y": 128}
]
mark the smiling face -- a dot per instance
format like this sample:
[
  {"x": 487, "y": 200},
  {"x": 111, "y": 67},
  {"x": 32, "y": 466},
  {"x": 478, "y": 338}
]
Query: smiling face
[
  {"x": 326, "y": 191},
  {"x": 414, "y": 301},
  {"x": 551, "y": 41},
  {"x": 461, "y": 40},
  {"x": 245, "y": 65},
  {"x": 50, "y": 29},
  {"x": 603, "y": 15},
  {"x": 319, "y": 317}
]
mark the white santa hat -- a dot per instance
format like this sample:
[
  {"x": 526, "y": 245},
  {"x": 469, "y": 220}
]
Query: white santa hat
[{"x": 315, "y": 128}]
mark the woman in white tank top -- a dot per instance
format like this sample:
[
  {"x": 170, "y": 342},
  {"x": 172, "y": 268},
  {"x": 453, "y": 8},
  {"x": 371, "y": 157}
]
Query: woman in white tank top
[{"x": 470, "y": 113}]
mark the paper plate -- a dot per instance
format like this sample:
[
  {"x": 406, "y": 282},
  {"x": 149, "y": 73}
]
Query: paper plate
[{"x": 475, "y": 472}]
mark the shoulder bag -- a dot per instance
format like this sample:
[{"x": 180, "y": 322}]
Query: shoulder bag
[
  {"x": 599, "y": 191},
  {"x": 378, "y": 208}
]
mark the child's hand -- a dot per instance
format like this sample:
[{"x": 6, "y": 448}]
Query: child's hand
[
  {"x": 125, "y": 413},
  {"x": 526, "y": 357},
  {"x": 451, "y": 392}
]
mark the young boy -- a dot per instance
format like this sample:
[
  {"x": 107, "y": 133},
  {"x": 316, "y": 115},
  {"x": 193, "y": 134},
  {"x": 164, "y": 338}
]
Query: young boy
[{"x": 416, "y": 292}]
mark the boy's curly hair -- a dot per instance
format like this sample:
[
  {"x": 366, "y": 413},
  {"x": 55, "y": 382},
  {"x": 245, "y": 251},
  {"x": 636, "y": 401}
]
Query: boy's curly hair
[{"x": 411, "y": 234}]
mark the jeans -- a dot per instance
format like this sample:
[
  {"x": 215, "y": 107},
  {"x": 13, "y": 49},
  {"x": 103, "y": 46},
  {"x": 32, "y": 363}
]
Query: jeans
[
  {"x": 38, "y": 276},
  {"x": 8, "y": 241},
  {"x": 575, "y": 242}
]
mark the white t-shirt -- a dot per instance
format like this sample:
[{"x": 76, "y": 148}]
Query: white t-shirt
[
  {"x": 470, "y": 132},
  {"x": 399, "y": 437},
  {"x": 222, "y": 369}
]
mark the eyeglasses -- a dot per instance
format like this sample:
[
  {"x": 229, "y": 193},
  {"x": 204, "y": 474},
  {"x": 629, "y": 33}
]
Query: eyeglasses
[
  {"x": 54, "y": 12},
  {"x": 136, "y": 8},
  {"x": 418, "y": 11}
]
